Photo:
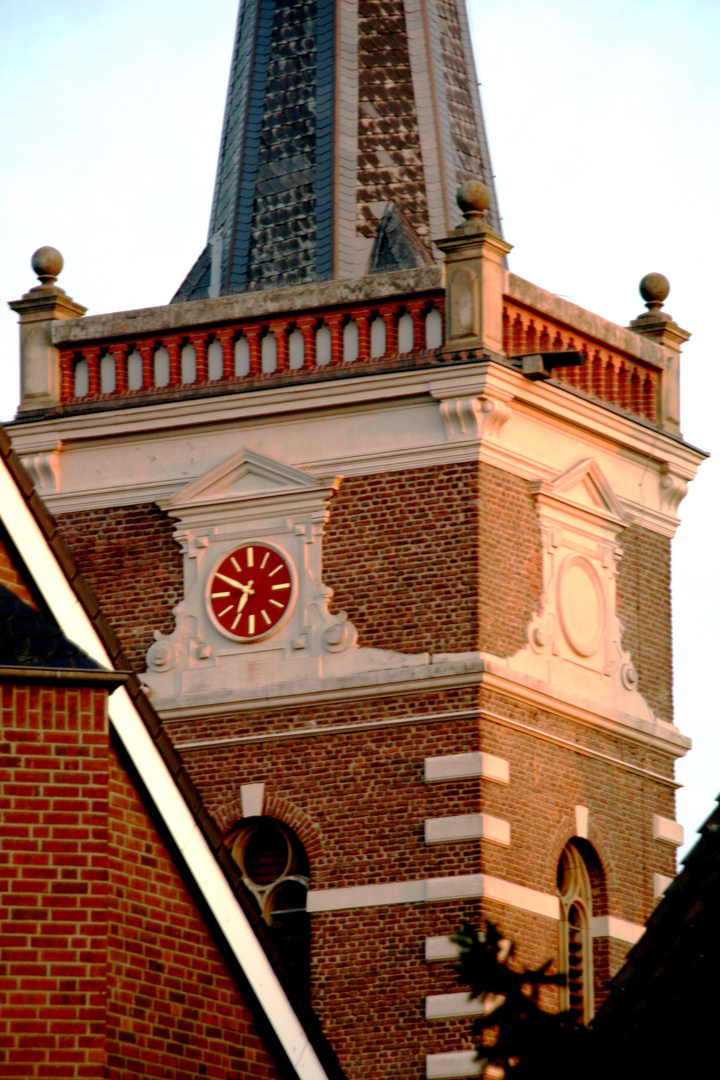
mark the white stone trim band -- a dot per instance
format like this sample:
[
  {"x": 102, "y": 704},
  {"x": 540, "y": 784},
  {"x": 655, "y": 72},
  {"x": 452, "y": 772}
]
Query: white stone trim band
[
  {"x": 441, "y": 948},
  {"x": 459, "y": 887},
  {"x": 443, "y": 1006},
  {"x": 457, "y": 1063},
  {"x": 442, "y": 830},
  {"x": 668, "y": 830},
  {"x": 617, "y": 929},
  {"x": 466, "y": 767}
]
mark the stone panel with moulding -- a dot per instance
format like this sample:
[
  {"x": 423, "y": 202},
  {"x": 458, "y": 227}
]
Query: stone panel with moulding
[
  {"x": 249, "y": 498},
  {"x": 574, "y": 643}
]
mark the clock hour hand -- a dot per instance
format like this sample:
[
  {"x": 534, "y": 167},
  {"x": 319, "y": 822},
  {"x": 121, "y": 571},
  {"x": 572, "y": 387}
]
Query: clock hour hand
[{"x": 247, "y": 593}]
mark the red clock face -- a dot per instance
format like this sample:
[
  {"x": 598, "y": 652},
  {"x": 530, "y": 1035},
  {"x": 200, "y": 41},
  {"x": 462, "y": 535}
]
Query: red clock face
[{"x": 250, "y": 592}]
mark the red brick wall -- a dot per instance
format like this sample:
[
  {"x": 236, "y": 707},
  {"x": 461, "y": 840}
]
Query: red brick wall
[
  {"x": 358, "y": 801},
  {"x": 173, "y": 1009},
  {"x": 400, "y": 553},
  {"x": 443, "y": 559},
  {"x": 644, "y": 608},
  {"x": 108, "y": 969},
  {"x": 134, "y": 566},
  {"x": 510, "y": 561},
  {"x": 53, "y": 882}
]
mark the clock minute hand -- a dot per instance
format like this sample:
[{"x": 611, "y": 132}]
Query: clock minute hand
[{"x": 231, "y": 581}]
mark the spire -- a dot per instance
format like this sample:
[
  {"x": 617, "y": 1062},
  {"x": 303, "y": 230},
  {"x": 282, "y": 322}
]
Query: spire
[{"x": 349, "y": 125}]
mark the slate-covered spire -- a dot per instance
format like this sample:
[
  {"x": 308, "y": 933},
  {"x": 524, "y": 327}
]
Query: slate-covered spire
[{"x": 349, "y": 125}]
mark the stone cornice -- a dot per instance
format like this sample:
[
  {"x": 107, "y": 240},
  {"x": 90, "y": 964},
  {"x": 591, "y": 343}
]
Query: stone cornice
[
  {"x": 485, "y": 408},
  {"x": 294, "y": 299},
  {"x": 577, "y": 318}
]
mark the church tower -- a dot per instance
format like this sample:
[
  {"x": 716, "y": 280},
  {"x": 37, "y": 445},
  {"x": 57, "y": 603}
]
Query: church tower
[{"x": 385, "y": 529}]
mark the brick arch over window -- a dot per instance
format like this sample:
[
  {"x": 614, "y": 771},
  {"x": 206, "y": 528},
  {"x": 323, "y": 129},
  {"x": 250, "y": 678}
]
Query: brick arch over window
[
  {"x": 229, "y": 814},
  {"x": 276, "y": 871},
  {"x": 582, "y": 892}
]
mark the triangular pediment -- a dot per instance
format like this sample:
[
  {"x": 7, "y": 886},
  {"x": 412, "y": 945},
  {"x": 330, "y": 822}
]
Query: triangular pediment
[
  {"x": 584, "y": 485},
  {"x": 245, "y": 475}
]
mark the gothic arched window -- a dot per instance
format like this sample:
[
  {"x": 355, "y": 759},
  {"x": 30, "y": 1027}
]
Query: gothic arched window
[
  {"x": 576, "y": 943},
  {"x": 275, "y": 869}
]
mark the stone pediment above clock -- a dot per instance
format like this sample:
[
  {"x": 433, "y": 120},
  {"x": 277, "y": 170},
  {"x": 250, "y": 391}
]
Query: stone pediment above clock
[
  {"x": 248, "y": 486},
  {"x": 583, "y": 487}
]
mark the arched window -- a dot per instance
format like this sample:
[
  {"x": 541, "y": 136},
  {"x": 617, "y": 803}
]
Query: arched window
[
  {"x": 275, "y": 869},
  {"x": 576, "y": 943}
]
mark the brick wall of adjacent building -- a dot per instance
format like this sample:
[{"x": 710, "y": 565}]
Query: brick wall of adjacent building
[
  {"x": 108, "y": 969},
  {"x": 133, "y": 565},
  {"x": 53, "y": 882},
  {"x": 173, "y": 1009}
]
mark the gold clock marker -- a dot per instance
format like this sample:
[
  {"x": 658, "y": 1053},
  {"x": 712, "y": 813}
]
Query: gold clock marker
[{"x": 251, "y": 591}]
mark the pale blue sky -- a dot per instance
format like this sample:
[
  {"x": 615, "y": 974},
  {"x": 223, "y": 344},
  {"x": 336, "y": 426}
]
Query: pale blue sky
[{"x": 603, "y": 120}]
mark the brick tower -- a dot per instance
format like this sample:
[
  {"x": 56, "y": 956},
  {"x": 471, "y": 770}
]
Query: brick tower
[{"x": 386, "y": 531}]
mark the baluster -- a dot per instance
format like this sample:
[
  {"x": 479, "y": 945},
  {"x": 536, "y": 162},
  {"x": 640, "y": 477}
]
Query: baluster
[
  {"x": 622, "y": 387},
  {"x": 119, "y": 354},
  {"x": 67, "y": 376},
  {"x": 649, "y": 396},
  {"x": 597, "y": 374},
  {"x": 334, "y": 323},
  {"x": 252, "y": 334},
  {"x": 518, "y": 336},
  {"x": 147, "y": 352},
  {"x": 417, "y": 309},
  {"x": 199, "y": 344},
  {"x": 279, "y": 330},
  {"x": 635, "y": 392},
  {"x": 389, "y": 316},
  {"x": 307, "y": 325},
  {"x": 172, "y": 344},
  {"x": 91, "y": 356},
  {"x": 362, "y": 318},
  {"x": 227, "y": 340}
]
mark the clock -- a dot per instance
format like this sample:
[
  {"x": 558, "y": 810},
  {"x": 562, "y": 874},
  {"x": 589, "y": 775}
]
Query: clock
[{"x": 250, "y": 591}]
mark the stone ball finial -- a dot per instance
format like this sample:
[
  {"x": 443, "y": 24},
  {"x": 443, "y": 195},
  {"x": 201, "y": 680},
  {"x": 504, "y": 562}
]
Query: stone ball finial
[
  {"x": 654, "y": 289},
  {"x": 473, "y": 198},
  {"x": 47, "y": 262}
]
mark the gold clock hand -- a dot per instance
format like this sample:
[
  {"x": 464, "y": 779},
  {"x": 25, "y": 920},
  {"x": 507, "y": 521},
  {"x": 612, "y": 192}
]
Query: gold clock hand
[{"x": 230, "y": 581}]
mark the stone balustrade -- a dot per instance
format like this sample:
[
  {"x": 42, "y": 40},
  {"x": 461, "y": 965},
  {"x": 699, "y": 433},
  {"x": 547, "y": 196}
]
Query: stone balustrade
[
  {"x": 608, "y": 374},
  {"x": 259, "y": 350}
]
